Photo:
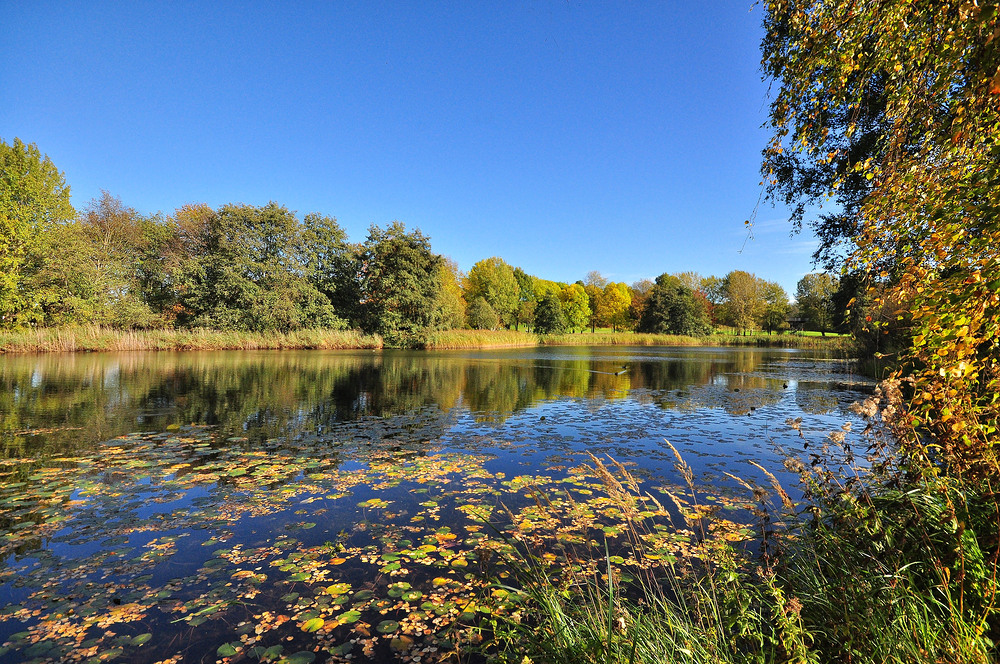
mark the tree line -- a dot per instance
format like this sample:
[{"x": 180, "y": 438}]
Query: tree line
[{"x": 260, "y": 268}]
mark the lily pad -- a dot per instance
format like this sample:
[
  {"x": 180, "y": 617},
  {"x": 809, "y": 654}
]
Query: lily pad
[
  {"x": 313, "y": 625},
  {"x": 226, "y": 650},
  {"x": 387, "y": 626}
]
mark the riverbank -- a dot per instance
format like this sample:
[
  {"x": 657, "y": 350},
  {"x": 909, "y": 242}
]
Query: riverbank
[{"x": 98, "y": 339}]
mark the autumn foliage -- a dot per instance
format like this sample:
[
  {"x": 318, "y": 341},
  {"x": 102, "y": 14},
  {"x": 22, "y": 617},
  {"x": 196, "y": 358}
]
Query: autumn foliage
[{"x": 927, "y": 230}]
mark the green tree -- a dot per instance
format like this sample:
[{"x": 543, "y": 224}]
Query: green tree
[
  {"x": 482, "y": 316},
  {"x": 714, "y": 289},
  {"x": 494, "y": 280},
  {"x": 576, "y": 306},
  {"x": 673, "y": 308},
  {"x": 34, "y": 197},
  {"x": 399, "y": 281},
  {"x": 106, "y": 267},
  {"x": 450, "y": 306},
  {"x": 814, "y": 294},
  {"x": 248, "y": 270},
  {"x": 330, "y": 263},
  {"x": 549, "y": 316},
  {"x": 744, "y": 304},
  {"x": 125, "y": 249},
  {"x": 58, "y": 273},
  {"x": 616, "y": 300},
  {"x": 527, "y": 299},
  {"x": 776, "y": 307}
]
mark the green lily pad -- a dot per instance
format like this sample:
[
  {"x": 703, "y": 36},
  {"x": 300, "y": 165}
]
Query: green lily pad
[
  {"x": 387, "y": 626},
  {"x": 313, "y": 625},
  {"x": 226, "y": 650}
]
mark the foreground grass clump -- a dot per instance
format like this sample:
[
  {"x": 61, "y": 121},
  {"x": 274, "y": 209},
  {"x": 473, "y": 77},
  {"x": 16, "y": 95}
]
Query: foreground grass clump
[
  {"x": 94, "y": 338},
  {"x": 882, "y": 562}
]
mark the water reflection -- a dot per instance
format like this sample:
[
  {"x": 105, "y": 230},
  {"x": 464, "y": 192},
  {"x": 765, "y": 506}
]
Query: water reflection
[
  {"x": 308, "y": 485},
  {"x": 64, "y": 402}
]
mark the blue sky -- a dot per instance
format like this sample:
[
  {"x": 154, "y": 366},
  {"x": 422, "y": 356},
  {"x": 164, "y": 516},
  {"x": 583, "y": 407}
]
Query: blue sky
[{"x": 562, "y": 136}]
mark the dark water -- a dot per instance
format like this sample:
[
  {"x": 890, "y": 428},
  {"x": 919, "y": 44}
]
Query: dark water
[{"x": 301, "y": 506}]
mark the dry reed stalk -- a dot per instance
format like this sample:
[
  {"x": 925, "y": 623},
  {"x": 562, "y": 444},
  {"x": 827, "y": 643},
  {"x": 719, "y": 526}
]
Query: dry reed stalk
[{"x": 786, "y": 500}]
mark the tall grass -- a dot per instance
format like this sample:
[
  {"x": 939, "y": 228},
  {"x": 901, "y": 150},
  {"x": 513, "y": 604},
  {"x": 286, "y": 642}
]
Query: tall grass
[
  {"x": 477, "y": 339},
  {"x": 844, "y": 344},
  {"x": 618, "y": 339},
  {"x": 94, "y": 338},
  {"x": 881, "y": 562}
]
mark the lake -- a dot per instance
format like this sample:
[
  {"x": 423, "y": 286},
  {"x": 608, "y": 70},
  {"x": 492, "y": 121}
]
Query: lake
[{"x": 312, "y": 506}]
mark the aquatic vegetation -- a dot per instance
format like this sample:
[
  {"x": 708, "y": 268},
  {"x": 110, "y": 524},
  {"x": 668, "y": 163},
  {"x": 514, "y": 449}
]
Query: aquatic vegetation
[
  {"x": 184, "y": 542},
  {"x": 369, "y": 506}
]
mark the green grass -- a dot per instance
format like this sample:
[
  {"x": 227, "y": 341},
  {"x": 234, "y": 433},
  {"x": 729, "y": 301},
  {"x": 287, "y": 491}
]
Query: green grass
[{"x": 95, "y": 338}]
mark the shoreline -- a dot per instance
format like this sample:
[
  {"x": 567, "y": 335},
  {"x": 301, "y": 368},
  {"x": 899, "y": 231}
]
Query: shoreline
[{"x": 97, "y": 339}]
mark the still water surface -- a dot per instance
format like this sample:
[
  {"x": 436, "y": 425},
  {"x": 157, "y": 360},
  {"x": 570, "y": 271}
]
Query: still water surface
[{"x": 306, "y": 506}]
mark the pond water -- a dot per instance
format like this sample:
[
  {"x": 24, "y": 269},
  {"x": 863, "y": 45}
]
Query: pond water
[{"x": 314, "y": 506}]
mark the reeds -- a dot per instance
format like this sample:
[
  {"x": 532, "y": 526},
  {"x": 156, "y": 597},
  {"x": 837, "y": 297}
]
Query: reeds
[
  {"x": 478, "y": 339},
  {"x": 94, "y": 338},
  {"x": 879, "y": 564},
  {"x": 618, "y": 339}
]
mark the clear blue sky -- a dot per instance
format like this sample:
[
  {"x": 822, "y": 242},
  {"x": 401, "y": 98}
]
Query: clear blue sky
[{"x": 562, "y": 136}]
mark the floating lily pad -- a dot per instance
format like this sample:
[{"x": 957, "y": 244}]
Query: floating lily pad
[
  {"x": 226, "y": 650},
  {"x": 349, "y": 617},
  {"x": 387, "y": 626},
  {"x": 313, "y": 625}
]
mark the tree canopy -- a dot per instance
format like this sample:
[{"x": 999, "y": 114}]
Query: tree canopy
[
  {"x": 673, "y": 308},
  {"x": 899, "y": 102},
  {"x": 815, "y": 297},
  {"x": 399, "y": 281},
  {"x": 549, "y": 316},
  {"x": 576, "y": 306},
  {"x": 494, "y": 280},
  {"x": 744, "y": 300},
  {"x": 34, "y": 197}
]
